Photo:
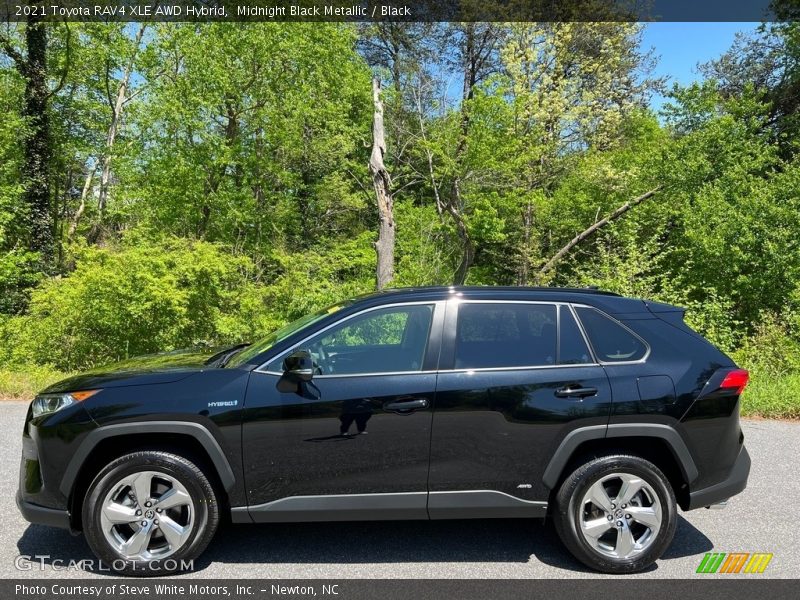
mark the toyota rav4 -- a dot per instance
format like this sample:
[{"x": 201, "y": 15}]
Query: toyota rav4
[{"x": 601, "y": 412}]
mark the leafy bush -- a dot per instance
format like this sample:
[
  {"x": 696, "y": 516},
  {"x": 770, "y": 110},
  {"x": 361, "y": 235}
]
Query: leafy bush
[
  {"x": 772, "y": 397},
  {"x": 773, "y": 350},
  {"x": 133, "y": 300}
]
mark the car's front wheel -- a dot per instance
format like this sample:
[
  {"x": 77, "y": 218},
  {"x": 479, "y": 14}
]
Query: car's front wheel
[
  {"x": 616, "y": 514},
  {"x": 150, "y": 513}
]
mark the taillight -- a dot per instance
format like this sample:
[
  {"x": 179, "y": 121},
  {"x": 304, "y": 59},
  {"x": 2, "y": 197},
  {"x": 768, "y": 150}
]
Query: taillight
[{"x": 735, "y": 380}]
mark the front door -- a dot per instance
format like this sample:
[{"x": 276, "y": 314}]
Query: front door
[
  {"x": 516, "y": 378},
  {"x": 355, "y": 441}
]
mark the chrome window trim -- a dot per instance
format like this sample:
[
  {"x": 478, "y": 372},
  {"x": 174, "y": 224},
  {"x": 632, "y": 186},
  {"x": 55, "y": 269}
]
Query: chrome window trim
[
  {"x": 572, "y": 310},
  {"x": 523, "y": 368},
  {"x": 638, "y": 361},
  {"x": 437, "y": 305}
]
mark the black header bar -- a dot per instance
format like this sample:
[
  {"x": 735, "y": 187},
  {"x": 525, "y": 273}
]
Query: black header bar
[{"x": 400, "y": 10}]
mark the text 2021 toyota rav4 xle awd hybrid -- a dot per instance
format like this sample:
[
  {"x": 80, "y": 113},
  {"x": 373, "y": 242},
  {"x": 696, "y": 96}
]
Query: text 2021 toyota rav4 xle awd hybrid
[{"x": 434, "y": 403}]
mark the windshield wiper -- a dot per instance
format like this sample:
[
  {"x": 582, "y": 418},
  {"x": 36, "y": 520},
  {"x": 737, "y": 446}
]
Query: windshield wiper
[{"x": 229, "y": 354}]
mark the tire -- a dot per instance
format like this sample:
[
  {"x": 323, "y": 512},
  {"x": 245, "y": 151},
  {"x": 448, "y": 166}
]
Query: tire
[
  {"x": 164, "y": 535},
  {"x": 637, "y": 535}
]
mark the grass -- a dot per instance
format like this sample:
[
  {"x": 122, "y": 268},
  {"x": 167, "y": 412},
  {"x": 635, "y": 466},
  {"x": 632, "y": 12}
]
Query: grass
[
  {"x": 22, "y": 383},
  {"x": 766, "y": 396}
]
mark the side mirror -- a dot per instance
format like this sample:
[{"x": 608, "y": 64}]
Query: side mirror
[{"x": 298, "y": 366}]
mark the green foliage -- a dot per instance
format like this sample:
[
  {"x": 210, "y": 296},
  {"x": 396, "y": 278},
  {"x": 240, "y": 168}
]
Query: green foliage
[
  {"x": 135, "y": 300},
  {"x": 771, "y": 397},
  {"x": 25, "y": 381}
]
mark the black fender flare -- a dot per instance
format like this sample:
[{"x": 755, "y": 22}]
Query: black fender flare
[
  {"x": 194, "y": 430},
  {"x": 621, "y": 430}
]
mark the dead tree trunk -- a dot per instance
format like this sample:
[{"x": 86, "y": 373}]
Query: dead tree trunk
[
  {"x": 87, "y": 187},
  {"x": 382, "y": 182},
  {"x": 591, "y": 229}
]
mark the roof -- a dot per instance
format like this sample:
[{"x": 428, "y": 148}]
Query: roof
[{"x": 606, "y": 301}]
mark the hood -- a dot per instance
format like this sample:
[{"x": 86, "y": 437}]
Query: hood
[{"x": 164, "y": 367}]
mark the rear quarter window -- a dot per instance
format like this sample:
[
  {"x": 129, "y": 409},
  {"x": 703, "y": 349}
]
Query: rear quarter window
[{"x": 611, "y": 341}]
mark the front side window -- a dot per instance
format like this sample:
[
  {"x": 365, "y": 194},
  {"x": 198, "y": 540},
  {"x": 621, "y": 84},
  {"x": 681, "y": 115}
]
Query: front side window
[
  {"x": 386, "y": 340},
  {"x": 505, "y": 335},
  {"x": 264, "y": 344},
  {"x": 612, "y": 342}
]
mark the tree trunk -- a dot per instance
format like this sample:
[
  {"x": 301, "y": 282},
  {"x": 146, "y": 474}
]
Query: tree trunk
[
  {"x": 456, "y": 207},
  {"x": 37, "y": 147},
  {"x": 382, "y": 183},
  {"x": 478, "y": 45},
  {"x": 87, "y": 187},
  {"x": 116, "y": 117},
  {"x": 592, "y": 228}
]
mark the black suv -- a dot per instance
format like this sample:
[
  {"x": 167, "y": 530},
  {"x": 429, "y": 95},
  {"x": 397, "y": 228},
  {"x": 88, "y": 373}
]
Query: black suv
[{"x": 603, "y": 412}]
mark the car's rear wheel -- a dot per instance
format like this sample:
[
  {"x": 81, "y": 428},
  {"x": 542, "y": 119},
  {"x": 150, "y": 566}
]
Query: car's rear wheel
[
  {"x": 616, "y": 514},
  {"x": 150, "y": 513}
]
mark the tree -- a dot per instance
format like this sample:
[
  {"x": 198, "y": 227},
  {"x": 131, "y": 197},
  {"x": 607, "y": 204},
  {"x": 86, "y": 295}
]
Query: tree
[
  {"x": 37, "y": 144},
  {"x": 476, "y": 59},
  {"x": 767, "y": 62},
  {"x": 382, "y": 183}
]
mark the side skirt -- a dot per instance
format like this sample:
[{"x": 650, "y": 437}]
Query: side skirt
[
  {"x": 471, "y": 504},
  {"x": 482, "y": 504}
]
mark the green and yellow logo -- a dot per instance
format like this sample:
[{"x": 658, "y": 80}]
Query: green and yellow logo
[{"x": 734, "y": 562}]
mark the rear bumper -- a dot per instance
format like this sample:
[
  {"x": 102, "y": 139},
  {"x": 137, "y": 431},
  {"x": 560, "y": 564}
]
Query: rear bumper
[
  {"x": 732, "y": 485},
  {"x": 41, "y": 515}
]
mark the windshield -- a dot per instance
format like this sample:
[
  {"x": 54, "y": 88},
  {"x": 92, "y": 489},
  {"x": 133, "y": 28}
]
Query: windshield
[{"x": 278, "y": 335}]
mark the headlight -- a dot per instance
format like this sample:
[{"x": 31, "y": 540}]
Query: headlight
[{"x": 50, "y": 403}]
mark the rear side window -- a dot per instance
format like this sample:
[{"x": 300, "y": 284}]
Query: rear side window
[
  {"x": 505, "y": 335},
  {"x": 572, "y": 349},
  {"x": 611, "y": 341}
]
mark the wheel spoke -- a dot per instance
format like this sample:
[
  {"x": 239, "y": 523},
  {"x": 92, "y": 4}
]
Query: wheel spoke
[
  {"x": 596, "y": 527},
  {"x": 630, "y": 485},
  {"x": 118, "y": 513},
  {"x": 599, "y": 497},
  {"x": 176, "y": 534},
  {"x": 625, "y": 542},
  {"x": 171, "y": 498},
  {"x": 142, "y": 485},
  {"x": 646, "y": 515},
  {"x": 138, "y": 542}
]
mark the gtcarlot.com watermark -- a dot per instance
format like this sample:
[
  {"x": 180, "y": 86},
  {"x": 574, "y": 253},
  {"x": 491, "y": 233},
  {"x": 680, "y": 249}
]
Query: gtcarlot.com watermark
[{"x": 40, "y": 562}]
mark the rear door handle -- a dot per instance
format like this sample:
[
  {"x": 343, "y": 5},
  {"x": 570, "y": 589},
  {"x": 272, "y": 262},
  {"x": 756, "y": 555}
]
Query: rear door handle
[
  {"x": 575, "y": 392},
  {"x": 406, "y": 405}
]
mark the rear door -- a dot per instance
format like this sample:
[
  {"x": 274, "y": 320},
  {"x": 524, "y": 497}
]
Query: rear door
[{"x": 516, "y": 378}]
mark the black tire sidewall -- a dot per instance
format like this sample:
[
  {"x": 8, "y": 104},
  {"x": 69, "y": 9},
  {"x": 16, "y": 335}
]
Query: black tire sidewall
[
  {"x": 568, "y": 507},
  {"x": 204, "y": 503}
]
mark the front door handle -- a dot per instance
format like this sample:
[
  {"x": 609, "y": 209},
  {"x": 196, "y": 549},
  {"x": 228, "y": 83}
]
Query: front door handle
[
  {"x": 406, "y": 405},
  {"x": 569, "y": 391}
]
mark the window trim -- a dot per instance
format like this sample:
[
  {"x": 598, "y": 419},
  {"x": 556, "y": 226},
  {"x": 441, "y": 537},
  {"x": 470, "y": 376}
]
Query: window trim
[
  {"x": 458, "y": 302},
  {"x": 438, "y": 309},
  {"x": 585, "y": 337},
  {"x": 638, "y": 361}
]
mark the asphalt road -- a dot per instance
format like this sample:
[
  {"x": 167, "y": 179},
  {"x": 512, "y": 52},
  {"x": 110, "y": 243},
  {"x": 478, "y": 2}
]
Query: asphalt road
[{"x": 764, "y": 518}]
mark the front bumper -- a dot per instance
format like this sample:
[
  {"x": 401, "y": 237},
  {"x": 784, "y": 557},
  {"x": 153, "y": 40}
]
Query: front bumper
[
  {"x": 732, "y": 485},
  {"x": 41, "y": 515}
]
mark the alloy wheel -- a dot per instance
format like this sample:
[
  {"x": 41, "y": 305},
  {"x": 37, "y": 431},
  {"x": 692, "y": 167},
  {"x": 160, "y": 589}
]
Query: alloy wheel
[
  {"x": 147, "y": 515},
  {"x": 620, "y": 515}
]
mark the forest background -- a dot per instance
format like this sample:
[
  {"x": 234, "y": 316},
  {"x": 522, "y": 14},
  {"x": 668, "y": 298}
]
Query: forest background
[{"x": 171, "y": 185}]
